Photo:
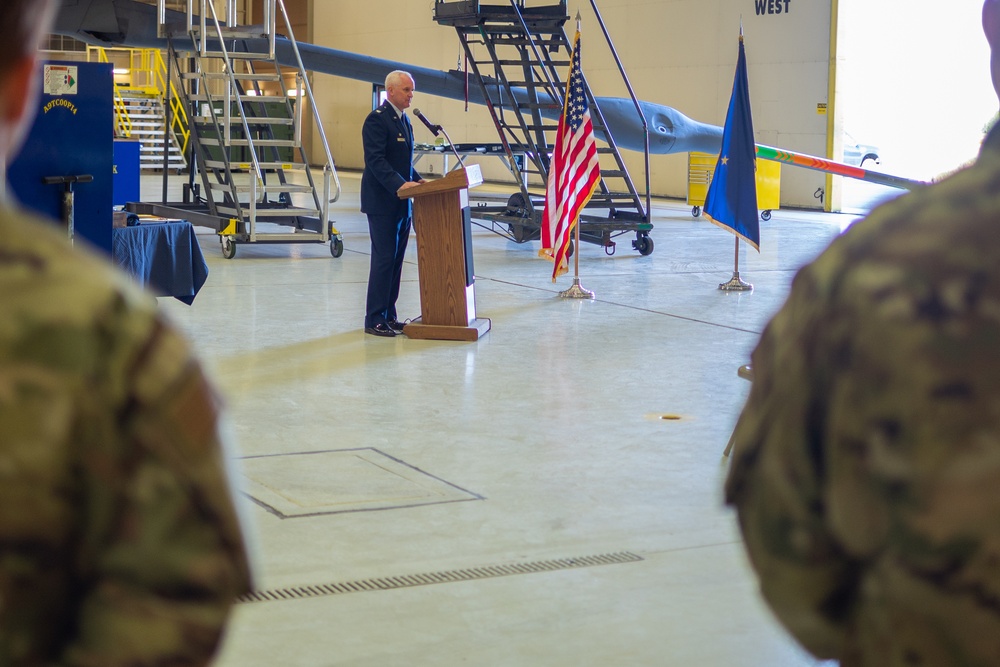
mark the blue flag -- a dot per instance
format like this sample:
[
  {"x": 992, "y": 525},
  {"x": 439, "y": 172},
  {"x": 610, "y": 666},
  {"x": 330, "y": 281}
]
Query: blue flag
[{"x": 732, "y": 197}]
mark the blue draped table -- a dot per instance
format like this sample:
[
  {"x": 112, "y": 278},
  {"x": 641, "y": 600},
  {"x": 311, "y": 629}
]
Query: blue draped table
[{"x": 164, "y": 257}]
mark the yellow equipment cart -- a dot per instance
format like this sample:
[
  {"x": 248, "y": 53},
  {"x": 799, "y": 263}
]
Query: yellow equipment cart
[{"x": 701, "y": 168}]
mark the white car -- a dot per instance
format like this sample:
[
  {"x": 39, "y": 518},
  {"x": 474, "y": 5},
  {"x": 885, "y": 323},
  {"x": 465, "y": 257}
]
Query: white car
[{"x": 857, "y": 154}]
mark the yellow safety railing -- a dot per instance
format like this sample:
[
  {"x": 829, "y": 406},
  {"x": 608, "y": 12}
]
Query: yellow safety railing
[
  {"x": 123, "y": 121},
  {"x": 148, "y": 74},
  {"x": 141, "y": 70},
  {"x": 180, "y": 124}
]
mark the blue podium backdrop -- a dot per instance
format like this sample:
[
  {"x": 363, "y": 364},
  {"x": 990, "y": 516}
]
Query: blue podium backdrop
[{"x": 73, "y": 135}]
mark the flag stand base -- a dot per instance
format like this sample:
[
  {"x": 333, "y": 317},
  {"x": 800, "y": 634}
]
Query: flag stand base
[
  {"x": 736, "y": 284},
  {"x": 576, "y": 292}
]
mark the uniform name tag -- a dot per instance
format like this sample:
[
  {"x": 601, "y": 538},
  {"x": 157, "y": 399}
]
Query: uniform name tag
[{"x": 400, "y": 139}]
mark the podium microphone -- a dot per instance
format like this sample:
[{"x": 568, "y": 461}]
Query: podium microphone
[{"x": 436, "y": 130}]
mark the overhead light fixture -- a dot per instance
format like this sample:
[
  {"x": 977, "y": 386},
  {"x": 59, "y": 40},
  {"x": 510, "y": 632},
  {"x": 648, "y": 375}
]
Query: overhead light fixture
[{"x": 121, "y": 70}]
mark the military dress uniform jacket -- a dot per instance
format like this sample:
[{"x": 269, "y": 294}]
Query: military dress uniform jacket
[
  {"x": 388, "y": 144},
  {"x": 867, "y": 457},
  {"x": 119, "y": 542}
]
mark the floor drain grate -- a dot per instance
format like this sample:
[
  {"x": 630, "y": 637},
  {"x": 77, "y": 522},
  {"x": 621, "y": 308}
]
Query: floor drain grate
[{"x": 446, "y": 577}]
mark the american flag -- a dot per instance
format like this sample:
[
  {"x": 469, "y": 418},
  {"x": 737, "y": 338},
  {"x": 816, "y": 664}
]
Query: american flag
[{"x": 574, "y": 171}]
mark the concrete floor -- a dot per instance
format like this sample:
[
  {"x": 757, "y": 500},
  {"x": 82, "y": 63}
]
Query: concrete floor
[{"x": 497, "y": 468}]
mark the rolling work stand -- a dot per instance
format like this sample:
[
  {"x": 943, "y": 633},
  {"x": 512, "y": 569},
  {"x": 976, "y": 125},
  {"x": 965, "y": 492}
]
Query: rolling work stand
[
  {"x": 246, "y": 135},
  {"x": 519, "y": 54}
]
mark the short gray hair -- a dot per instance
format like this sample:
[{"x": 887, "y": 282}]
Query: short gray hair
[{"x": 392, "y": 79}]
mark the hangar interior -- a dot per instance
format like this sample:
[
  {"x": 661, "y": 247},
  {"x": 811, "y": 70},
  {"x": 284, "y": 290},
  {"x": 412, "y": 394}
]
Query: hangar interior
[
  {"x": 550, "y": 494},
  {"x": 681, "y": 54}
]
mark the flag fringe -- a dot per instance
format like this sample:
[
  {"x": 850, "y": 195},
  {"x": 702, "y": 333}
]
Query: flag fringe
[{"x": 730, "y": 230}]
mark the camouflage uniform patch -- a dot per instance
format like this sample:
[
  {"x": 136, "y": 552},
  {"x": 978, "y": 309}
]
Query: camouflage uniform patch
[
  {"x": 119, "y": 542},
  {"x": 868, "y": 454}
]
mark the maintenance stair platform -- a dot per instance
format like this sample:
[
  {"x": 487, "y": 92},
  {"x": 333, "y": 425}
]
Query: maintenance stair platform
[
  {"x": 246, "y": 120},
  {"x": 519, "y": 55}
]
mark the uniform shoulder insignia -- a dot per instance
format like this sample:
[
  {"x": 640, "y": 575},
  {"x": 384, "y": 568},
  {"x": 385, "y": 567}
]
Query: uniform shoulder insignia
[{"x": 378, "y": 111}]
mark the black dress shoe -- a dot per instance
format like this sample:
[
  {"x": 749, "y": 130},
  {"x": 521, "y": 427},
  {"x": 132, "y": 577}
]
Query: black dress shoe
[
  {"x": 396, "y": 326},
  {"x": 380, "y": 329}
]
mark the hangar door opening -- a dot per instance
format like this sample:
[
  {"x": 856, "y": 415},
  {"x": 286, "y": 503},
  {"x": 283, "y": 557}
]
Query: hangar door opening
[{"x": 914, "y": 82}]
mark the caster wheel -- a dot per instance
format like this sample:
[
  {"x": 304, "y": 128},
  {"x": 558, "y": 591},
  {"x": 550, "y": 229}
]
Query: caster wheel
[
  {"x": 228, "y": 247},
  {"x": 644, "y": 245},
  {"x": 695, "y": 211},
  {"x": 336, "y": 247}
]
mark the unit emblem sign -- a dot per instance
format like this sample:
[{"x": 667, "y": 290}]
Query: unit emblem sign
[
  {"x": 61, "y": 80},
  {"x": 771, "y": 6}
]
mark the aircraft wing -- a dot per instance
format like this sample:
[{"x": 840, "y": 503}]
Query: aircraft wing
[{"x": 129, "y": 23}]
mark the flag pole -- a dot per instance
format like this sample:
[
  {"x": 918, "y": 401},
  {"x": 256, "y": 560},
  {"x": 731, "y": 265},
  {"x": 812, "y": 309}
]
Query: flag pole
[
  {"x": 576, "y": 291},
  {"x": 736, "y": 284},
  {"x": 732, "y": 197}
]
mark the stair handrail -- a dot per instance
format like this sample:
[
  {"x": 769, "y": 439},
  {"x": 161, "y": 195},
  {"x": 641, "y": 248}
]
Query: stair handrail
[
  {"x": 180, "y": 124},
  {"x": 635, "y": 101},
  {"x": 556, "y": 89},
  {"x": 198, "y": 153},
  {"x": 143, "y": 67},
  {"x": 123, "y": 120},
  {"x": 329, "y": 167},
  {"x": 161, "y": 13},
  {"x": 258, "y": 180}
]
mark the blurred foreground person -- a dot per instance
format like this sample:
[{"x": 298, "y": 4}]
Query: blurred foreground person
[
  {"x": 867, "y": 459},
  {"x": 119, "y": 542}
]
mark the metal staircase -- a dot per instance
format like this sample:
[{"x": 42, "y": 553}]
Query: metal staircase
[
  {"x": 519, "y": 54},
  {"x": 251, "y": 171},
  {"x": 140, "y": 110},
  {"x": 147, "y": 122}
]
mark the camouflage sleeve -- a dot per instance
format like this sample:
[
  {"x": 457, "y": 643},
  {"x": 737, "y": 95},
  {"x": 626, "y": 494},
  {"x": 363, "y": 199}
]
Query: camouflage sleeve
[
  {"x": 166, "y": 567},
  {"x": 776, "y": 479}
]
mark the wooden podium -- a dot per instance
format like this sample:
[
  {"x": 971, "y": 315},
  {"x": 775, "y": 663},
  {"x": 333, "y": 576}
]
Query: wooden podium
[{"x": 443, "y": 222}]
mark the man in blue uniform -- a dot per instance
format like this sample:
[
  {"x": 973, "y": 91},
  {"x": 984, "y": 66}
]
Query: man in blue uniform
[{"x": 388, "y": 142}]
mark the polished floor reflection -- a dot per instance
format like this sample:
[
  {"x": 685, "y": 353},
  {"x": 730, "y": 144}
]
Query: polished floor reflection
[{"x": 483, "y": 483}]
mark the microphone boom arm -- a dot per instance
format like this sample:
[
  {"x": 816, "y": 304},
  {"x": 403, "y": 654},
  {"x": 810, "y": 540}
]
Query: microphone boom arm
[
  {"x": 437, "y": 129},
  {"x": 461, "y": 162}
]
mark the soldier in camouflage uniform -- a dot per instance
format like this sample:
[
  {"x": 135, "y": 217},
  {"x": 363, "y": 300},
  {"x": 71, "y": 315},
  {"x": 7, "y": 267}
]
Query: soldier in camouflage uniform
[
  {"x": 119, "y": 543},
  {"x": 867, "y": 467}
]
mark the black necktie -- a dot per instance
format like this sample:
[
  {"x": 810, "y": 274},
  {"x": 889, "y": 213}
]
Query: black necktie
[{"x": 409, "y": 128}]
